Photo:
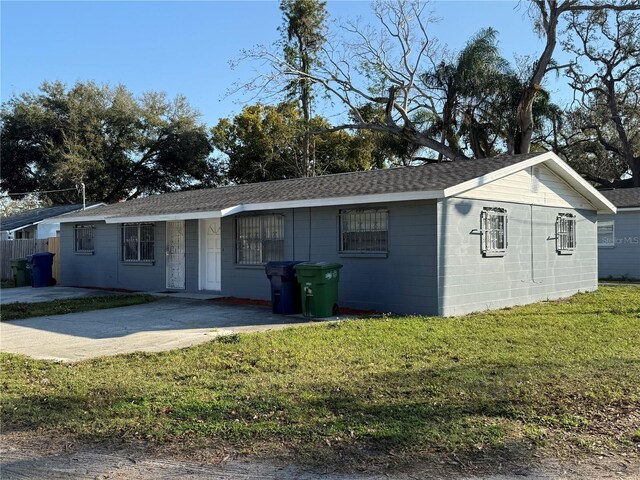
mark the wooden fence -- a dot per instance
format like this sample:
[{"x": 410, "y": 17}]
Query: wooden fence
[{"x": 10, "y": 249}]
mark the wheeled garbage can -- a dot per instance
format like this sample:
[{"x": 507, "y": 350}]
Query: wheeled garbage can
[
  {"x": 285, "y": 291},
  {"x": 41, "y": 269},
  {"x": 318, "y": 288},
  {"x": 21, "y": 275}
]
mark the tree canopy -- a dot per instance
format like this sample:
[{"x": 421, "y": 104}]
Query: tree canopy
[
  {"x": 120, "y": 146},
  {"x": 263, "y": 143}
]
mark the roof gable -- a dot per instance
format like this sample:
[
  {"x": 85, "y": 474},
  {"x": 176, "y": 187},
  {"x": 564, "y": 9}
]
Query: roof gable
[{"x": 536, "y": 185}]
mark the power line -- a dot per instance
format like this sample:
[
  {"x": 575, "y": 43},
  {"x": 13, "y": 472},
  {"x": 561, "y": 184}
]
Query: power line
[{"x": 42, "y": 191}]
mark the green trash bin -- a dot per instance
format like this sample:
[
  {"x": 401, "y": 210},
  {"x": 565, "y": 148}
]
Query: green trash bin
[
  {"x": 21, "y": 274},
  {"x": 318, "y": 288}
]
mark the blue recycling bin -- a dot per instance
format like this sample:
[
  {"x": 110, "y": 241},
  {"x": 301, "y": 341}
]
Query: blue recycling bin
[
  {"x": 41, "y": 269},
  {"x": 285, "y": 291}
]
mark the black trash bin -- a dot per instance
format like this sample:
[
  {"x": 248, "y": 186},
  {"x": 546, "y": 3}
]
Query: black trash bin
[
  {"x": 41, "y": 269},
  {"x": 285, "y": 291}
]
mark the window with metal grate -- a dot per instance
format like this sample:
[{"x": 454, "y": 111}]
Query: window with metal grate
[
  {"x": 493, "y": 226},
  {"x": 259, "y": 239},
  {"x": 364, "y": 230}
]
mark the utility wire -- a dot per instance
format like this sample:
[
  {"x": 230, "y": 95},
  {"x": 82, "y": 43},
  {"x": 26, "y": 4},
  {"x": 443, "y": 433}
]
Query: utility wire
[{"x": 41, "y": 191}]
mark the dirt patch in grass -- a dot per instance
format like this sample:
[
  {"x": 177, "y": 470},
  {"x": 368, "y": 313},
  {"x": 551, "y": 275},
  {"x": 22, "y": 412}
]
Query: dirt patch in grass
[
  {"x": 556, "y": 379},
  {"x": 20, "y": 311},
  {"x": 242, "y": 301},
  {"x": 267, "y": 304}
]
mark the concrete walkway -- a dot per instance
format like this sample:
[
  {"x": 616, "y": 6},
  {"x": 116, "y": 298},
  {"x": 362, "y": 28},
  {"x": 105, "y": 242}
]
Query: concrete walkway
[
  {"x": 45, "y": 294},
  {"x": 161, "y": 325}
]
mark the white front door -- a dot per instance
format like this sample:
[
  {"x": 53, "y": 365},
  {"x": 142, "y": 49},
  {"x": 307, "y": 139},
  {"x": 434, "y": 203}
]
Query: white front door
[
  {"x": 211, "y": 254},
  {"x": 175, "y": 255}
]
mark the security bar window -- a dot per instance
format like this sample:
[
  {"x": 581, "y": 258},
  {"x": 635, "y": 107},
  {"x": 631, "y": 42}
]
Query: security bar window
[
  {"x": 364, "y": 231},
  {"x": 493, "y": 225},
  {"x": 83, "y": 238},
  {"x": 606, "y": 235},
  {"x": 565, "y": 233},
  {"x": 138, "y": 242},
  {"x": 259, "y": 239}
]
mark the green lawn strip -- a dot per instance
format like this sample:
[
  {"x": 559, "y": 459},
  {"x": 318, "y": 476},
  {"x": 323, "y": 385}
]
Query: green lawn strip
[
  {"x": 6, "y": 284},
  {"x": 563, "y": 375},
  {"x": 19, "y": 311}
]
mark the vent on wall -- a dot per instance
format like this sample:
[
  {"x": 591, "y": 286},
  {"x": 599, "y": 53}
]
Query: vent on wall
[{"x": 535, "y": 179}]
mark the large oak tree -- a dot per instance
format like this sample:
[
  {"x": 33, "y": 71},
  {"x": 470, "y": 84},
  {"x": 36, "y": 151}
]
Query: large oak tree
[{"x": 119, "y": 145}]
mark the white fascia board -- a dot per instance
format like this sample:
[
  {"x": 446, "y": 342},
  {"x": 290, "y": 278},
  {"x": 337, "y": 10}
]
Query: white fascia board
[
  {"x": 333, "y": 201},
  {"x": 84, "y": 218},
  {"x": 628, "y": 209},
  {"x": 166, "y": 217},
  {"x": 556, "y": 164},
  {"x": 20, "y": 228}
]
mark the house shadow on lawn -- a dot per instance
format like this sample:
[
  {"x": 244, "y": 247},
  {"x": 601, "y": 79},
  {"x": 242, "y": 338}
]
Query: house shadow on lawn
[{"x": 474, "y": 416}]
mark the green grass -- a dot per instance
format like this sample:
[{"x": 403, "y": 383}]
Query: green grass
[
  {"x": 558, "y": 375},
  {"x": 19, "y": 311},
  {"x": 6, "y": 283}
]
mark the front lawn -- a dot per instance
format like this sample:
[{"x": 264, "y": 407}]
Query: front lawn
[
  {"x": 18, "y": 311},
  {"x": 562, "y": 376}
]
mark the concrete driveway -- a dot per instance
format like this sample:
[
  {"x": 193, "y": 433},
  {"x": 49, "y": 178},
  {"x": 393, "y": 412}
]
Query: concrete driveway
[
  {"x": 45, "y": 294},
  {"x": 165, "y": 324}
]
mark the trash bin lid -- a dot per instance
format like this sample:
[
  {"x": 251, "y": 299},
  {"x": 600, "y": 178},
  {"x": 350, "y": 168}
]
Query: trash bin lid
[
  {"x": 318, "y": 266},
  {"x": 282, "y": 268},
  {"x": 42, "y": 254}
]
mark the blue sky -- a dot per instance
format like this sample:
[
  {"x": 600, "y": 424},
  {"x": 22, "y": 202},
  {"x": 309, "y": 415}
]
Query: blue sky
[{"x": 184, "y": 47}]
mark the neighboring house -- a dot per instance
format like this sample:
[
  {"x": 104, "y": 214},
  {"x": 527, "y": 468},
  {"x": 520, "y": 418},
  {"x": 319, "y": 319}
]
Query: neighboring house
[
  {"x": 440, "y": 239},
  {"x": 619, "y": 236},
  {"x": 30, "y": 224}
]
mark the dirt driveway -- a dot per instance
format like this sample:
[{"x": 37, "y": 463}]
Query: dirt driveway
[{"x": 152, "y": 327}]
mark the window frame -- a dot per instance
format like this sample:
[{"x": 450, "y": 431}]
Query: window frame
[
  {"x": 487, "y": 246},
  {"x": 566, "y": 238},
  {"x": 84, "y": 227},
  {"x": 381, "y": 214},
  {"x": 602, "y": 223},
  {"x": 261, "y": 256},
  {"x": 139, "y": 242}
]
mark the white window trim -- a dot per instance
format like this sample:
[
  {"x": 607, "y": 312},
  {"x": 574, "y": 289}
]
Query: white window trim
[
  {"x": 487, "y": 250},
  {"x": 613, "y": 233},
  {"x": 139, "y": 237}
]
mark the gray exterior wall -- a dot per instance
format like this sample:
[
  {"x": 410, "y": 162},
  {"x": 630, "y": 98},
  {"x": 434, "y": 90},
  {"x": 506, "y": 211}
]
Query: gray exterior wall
[
  {"x": 623, "y": 259},
  {"x": 434, "y": 265},
  {"x": 402, "y": 282},
  {"x": 530, "y": 271},
  {"x": 104, "y": 268}
]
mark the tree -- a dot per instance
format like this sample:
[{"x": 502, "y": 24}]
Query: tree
[
  {"x": 303, "y": 29},
  {"x": 10, "y": 206},
  {"x": 386, "y": 66},
  {"x": 547, "y": 15},
  {"x": 263, "y": 143},
  {"x": 606, "y": 76},
  {"x": 120, "y": 146}
]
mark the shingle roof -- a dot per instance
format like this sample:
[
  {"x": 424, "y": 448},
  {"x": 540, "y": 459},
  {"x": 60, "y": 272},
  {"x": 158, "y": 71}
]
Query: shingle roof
[
  {"x": 438, "y": 176},
  {"x": 623, "y": 197},
  {"x": 30, "y": 217}
]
